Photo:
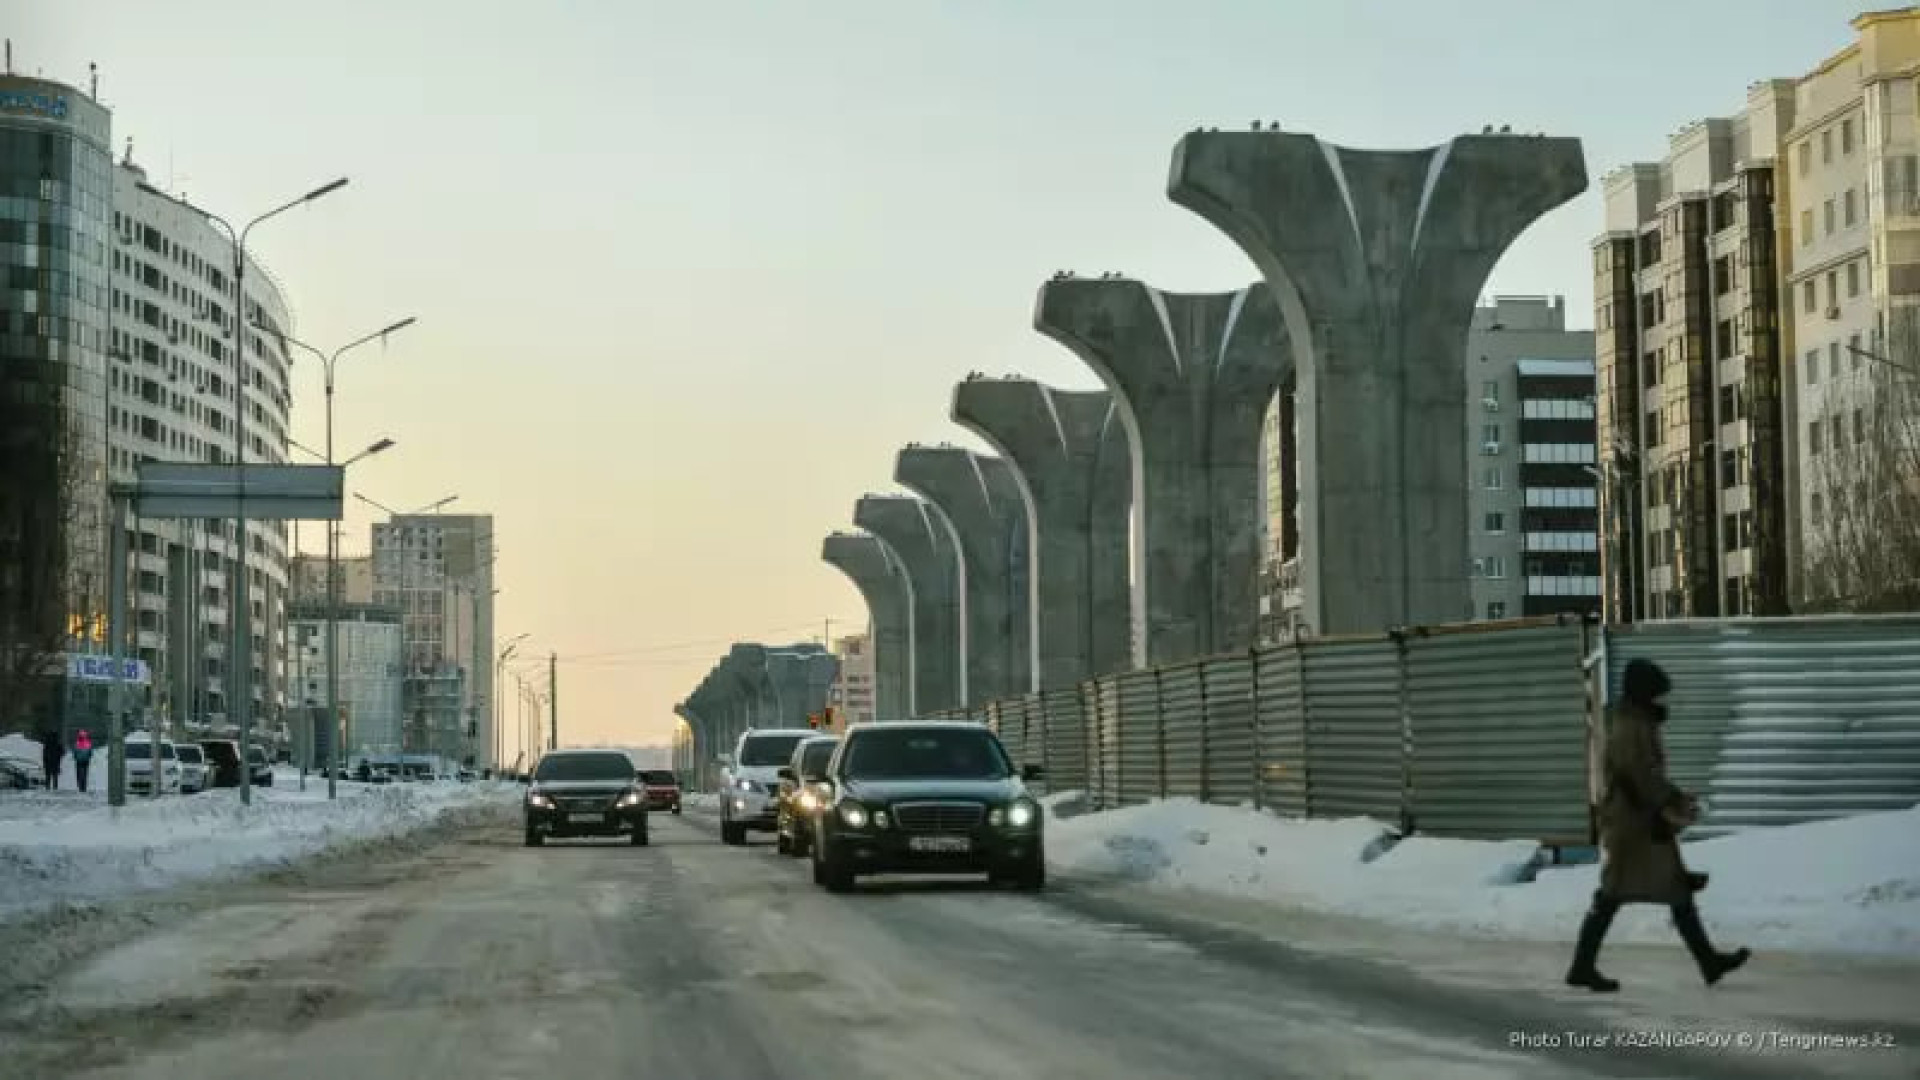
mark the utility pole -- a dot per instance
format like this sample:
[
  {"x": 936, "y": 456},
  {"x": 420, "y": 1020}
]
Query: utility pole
[{"x": 553, "y": 698}]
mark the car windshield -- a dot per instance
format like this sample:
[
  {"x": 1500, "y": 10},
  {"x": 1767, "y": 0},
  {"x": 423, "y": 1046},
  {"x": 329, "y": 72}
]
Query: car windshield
[
  {"x": 659, "y": 778},
  {"x": 192, "y": 755},
  {"x": 139, "y": 751},
  {"x": 813, "y": 759},
  {"x": 762, "y": 751},
  {"x": 944, "y": 755},
  {"x": 570, "y": 767}
]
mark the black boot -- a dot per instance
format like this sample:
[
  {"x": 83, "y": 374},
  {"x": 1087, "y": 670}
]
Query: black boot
[
  {"x": 1714, "y": 965},
  {"x": 1696, "y": 881},
  {"x": 1593, "y": 930}
]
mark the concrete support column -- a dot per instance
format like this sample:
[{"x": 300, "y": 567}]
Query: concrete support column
[
  {"x": 1377, "y": 258},
  {"x": 1193, "y": 375},
  {"x": 980, "y": 499},
  {"x": 1069, "y": 453},
  {"x": 882, "y": 580},
  {"x": 920, "y": 543}
]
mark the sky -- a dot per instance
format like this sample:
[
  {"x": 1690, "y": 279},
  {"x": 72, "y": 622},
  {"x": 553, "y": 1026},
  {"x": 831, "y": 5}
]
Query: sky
[{"x": 688, "y": 275}]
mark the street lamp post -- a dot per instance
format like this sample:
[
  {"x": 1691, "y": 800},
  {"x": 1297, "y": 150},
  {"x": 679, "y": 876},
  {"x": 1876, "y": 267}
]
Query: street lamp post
[
  {"x": 499, "y": 672},
  {"x": 239, "y": 587},
  {"x": 327, "y": 365}
]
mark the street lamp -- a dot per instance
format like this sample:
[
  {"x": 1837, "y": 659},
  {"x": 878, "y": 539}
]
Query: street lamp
[
  {"x": 499, "y": 670},
  {"x": 327, "y": 365},
  {"x": 432, "y": 507},
  {"x": 240, "y": 658}
]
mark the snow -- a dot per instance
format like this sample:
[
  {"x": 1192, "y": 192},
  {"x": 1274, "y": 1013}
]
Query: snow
[
  {"x": 67, "y": 848},
  {"x": 1849, "y": 886}
]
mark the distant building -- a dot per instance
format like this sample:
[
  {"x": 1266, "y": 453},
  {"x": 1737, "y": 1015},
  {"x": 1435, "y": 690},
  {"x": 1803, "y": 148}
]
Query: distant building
[
  {"x": 308, "y": 576},
  {"x": 371, "y": 667},
  {"x": 437, "y": 569},
  {"x": 851, "y": 695}
]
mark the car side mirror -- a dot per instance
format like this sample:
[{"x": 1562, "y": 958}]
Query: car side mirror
[
  {"x": 1033, "y": 772},
  {"x": 786, "y": 773}
]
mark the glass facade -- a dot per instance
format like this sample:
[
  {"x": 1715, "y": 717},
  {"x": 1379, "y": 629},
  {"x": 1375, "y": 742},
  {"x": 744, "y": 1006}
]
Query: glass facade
[{"x": 55, "y": 212}]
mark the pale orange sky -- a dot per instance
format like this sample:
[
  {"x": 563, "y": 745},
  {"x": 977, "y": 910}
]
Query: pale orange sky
[{"x": 687, "y": 275}]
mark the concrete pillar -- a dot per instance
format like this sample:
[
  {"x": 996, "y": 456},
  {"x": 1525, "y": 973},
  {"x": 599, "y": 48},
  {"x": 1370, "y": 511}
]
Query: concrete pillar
[
  {"x": 746, "y": 666},
  {"x": 980, "y": 499},
  {"x": 822, "y": 668},
  {"x": 921, "y": 543},
  {"x": 787, "y": 675},
  {"x": 1192, "y": 375},
  {"x": 1068, "y": 449},
  {"x": 882, "y": 580},
  {"x": 1377, "y": 258}
]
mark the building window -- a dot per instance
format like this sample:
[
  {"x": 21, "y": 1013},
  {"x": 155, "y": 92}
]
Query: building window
[
  {"x": 1729, "y": 468},
  {"x": 1813, "y": 439},
  {"x": 1859, "y": 426},
  {"x": 1853, "y": 279},
  {"x": 1490, "y": 433},
  {"x": 1653, "y": 435},
  {"x": 1494, "y": 566},
  {"x": 1853, "y": 349},
  {"x": 1722, "y": 276},
  {"x": 1833, "y": 288},
  {"x": 1494, "y": 478},
  {"x": 1490, "y": 391},
  {"x": 1846, "y": 135},
  {"x": 1496, "y": 609},
  {"x": 1826, "y": 147},
  {"x": 1558, "y": 454},
  {"x": 1561, "y": 498},
  {"x": 1839, "y": 431},
  {"x": 1827, "y": 217},
  {"x": 1496, "y": 521},
  {"x": 1833, "y": 359},
  {"x": 1813, "y": 366},
  {"x": 1806, "y": 157},
  {"x": 1851, "y": 205},
  {"x": 1810, "y": 296},
  {"x": 1814, "y": 507}
]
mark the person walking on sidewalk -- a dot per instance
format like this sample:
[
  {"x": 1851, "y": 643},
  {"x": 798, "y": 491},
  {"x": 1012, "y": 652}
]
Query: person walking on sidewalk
[
  {"x": 1641, "y": 815},
  {"x": 82, "y": 757},
  {"x": 52, "y": 752}
]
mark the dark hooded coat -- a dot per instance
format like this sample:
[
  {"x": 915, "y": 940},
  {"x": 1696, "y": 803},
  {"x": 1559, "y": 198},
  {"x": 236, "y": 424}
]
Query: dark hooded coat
[{"x": 1638, "y": 839}]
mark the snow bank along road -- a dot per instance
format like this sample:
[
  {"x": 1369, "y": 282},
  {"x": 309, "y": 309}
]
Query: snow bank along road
[{"x": 480, "y": 958}]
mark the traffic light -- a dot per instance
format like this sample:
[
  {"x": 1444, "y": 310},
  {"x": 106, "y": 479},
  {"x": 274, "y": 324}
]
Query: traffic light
[
  {"x": 826, "y": 718},
  {"x": 813, "y": 721}
]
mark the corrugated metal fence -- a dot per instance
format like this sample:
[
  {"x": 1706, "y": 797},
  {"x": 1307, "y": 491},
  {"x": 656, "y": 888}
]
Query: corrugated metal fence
[{"x": 1487, "y": 729}]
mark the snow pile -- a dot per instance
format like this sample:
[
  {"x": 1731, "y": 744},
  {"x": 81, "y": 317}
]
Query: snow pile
[
  {"x": 67, "y": 856},
  {"x": 1847, "y": 886}
]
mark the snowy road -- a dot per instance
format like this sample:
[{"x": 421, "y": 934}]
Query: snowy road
[{"x": 483, "y": 959}]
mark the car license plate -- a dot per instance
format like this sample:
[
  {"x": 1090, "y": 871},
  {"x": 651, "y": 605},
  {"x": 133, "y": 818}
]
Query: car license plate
[
  {"x": 586, "y": 819},
  {"x": 945, "y": 845}
]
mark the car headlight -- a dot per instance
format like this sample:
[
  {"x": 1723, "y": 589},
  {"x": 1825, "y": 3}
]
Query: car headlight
[
  {"x": 854, "y": 815},
  {"x": 1021, "y": 814},
  {"x": 631, "y": 798},
  {"x": 809, "y": 801},
  {"x": 743, "y": 785},
  {"x": 538, "y": 800}
]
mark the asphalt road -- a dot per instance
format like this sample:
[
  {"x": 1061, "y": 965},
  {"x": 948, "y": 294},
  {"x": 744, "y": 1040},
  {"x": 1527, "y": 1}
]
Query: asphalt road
[{"x": 483, "y": 959}]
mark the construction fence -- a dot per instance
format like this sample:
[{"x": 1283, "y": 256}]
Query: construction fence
[{"x": 1492, "y": 730}]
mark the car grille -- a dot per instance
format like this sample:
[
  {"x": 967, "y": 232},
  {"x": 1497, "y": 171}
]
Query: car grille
[
  {"x": 595, "y": 802},
  {"x": 942, "y": 817}
]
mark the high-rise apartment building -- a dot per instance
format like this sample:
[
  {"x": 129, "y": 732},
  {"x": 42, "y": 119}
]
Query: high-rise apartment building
[
  {"x": 852, "y": 692},
  {"x": 372, "y": 662},
  {"x": 307, "y": 575},
  {"x": 56, "y": 230},
  {"x": 1753, "y": 296},
  {"x": 172, "y": 397},
  {"x": 1532, "y": 508},
  {"x": 437, "y": 569}
]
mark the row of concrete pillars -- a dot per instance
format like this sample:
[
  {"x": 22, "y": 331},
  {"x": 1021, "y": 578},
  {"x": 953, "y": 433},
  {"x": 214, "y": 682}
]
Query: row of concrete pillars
[
  {"x": 755, "y": 686},
  {"x": 1001, "y": 575}
]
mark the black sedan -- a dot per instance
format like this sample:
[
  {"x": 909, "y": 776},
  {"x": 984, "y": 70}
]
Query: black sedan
[
  {"x": 928, "y": 798},
  {"x": 585, "y": 793}
]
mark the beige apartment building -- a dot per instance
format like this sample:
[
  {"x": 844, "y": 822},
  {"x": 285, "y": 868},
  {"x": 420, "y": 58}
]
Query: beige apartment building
[
  {"x": 852, "y": 693},
  {"x": 1743, "y": 288}
]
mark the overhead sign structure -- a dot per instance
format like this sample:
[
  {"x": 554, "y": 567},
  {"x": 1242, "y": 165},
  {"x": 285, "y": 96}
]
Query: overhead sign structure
[{"x": 168, "y": 489}]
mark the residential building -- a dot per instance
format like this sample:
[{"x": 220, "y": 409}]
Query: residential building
[
  {"x": 437, "y": 569},
  {"x": 372, "y": 659},
  {"x": 852, "y": 692},
  {"x": 308, "y": 577},
  {"x": 56, "y": 206},
  {"x": 172, "y": 398},
  {"x": 1279, "y": 580},
  {"x": 1532, "y": 510}
]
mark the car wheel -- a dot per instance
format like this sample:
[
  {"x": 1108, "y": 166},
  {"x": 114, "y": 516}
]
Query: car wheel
[
  {"x": 640, "y": 838},
  {"x": 1031, "y": 877},
  {"x": 782, "y": 844},
  {"x": 732, "y": 835},
  {"x": 534, "y": 839},
  {"x": 830, "y": 872},
  {"x": 676, "y": 809}
]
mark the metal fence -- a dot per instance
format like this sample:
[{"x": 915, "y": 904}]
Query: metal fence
[{"x": 1489, "y": 730}]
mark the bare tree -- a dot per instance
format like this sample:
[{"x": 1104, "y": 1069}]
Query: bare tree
[
  {"x": 1863, "y": 508},
  {"x": 43, "y": 504}
]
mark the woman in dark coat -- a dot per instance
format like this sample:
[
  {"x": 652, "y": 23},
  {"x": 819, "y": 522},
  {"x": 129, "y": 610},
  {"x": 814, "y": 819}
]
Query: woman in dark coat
[{"x": 1641, "y": 816}]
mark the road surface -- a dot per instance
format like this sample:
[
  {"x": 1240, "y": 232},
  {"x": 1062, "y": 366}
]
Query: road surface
[{"x": 483, "y": 959}]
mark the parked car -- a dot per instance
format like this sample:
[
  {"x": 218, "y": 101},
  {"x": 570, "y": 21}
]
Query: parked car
[
  {"x": 223, "y": 755},
  {"x": 802, "y": 794},
  {"x": 663, "y": 789},
  {"x": 585, "y": 793},
  {"x": 928, "y": 797},
  {"x": 750, "y": 781},
  {"x": 140, "y": 766},
  {"x": 21, "y": 773},
  {"x": 259, "y": 767},
  {"x": 195, "y": 773}
]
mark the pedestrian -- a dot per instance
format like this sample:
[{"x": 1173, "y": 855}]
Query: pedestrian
[
  {"x": 1641, "y": 816},
  {"x": 52, "y": 752},
  {"x": 82, "y": 757}
]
